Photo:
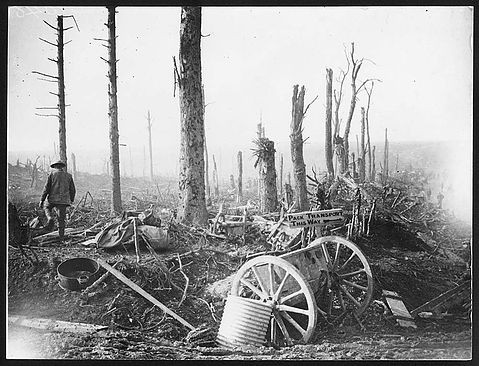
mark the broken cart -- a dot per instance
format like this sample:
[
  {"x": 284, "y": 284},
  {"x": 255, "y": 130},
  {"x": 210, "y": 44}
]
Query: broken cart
[{"x": 277, "y": 299}]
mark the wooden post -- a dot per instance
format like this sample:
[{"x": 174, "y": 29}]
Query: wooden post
[
  {"x": 239, "y": 190},
  {"x": 113, "y": 113},
  {"x": 61, "y": 95},
  {"x": 148, "y": 118},
  {"x": 329, "y": 114}
]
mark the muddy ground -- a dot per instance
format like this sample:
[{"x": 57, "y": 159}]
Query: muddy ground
[{"x": 139, "y": 330}]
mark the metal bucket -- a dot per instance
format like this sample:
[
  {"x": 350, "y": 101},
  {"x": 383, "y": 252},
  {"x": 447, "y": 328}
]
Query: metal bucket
[
  {"x": 244, "y": 322},
  {"x": 77, "y": 273}
]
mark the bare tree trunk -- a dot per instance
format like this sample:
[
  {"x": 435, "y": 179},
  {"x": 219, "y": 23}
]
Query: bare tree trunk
[
  {"x": 386, "y": 157},
  {"x": 215, "y": 178},
  {"x": 355, "y": 174},
  {"x": 232, "y": 182},
  {"x": 328, "y": 135},
  {"x": 259, "y": 134},
  {"x": 370, "y": 178},
  {"x": 192, "y": 203},
  {"x": 289, "y": 178},
  {"x": 269, "y": 194},
  {"x": 74, "y": 166},
  {"x": 373, "y": 168},
  {"x": 61, "y": 95},
  {"x": 281, "y": 176},
  {"x": 362, "y": 167},
  {"x": 207, "y": 171},
  {"x": 113, "y": 113},
  {"x": 150, "y": 146},
  {"x": 297, "y": 149},
  {"x": 239, "y": 191}
]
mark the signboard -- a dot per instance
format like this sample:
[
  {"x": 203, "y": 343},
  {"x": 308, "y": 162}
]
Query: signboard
[{"x": 315, "y": 218}]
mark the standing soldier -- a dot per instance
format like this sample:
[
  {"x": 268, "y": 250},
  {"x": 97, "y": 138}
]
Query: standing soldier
[{"x": 60, "y": 191}]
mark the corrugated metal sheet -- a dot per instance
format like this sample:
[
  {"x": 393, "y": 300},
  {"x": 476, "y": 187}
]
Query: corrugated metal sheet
[{"x": 245, "y": 321}]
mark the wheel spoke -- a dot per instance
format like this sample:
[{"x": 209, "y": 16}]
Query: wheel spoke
[
  {"x": 347, "y": 262},
  {"x": 292, "y": 309},
  {"x": 355, "y": 285},
  {"x": 290, "y": 296},
  {"x": 271, "y": 280},
  {"x": 252, "y": 288},
  {"x": 282, "y": 327},
  {"x": 346, "y": 292},
  {"x": 260, "y": 281},
  {"x": 294, "y": 323},
  {"x": 336, "y": 256},
  {"x": 352, "y": 274},
  {"x": 281, "y": 285},
  {"x": 326, "y": 254}
]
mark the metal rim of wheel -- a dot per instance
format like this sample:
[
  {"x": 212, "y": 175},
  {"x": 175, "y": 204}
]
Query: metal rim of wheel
[
  {"x": 274, "y": 280},
  {"x": 348, "y": 282}
]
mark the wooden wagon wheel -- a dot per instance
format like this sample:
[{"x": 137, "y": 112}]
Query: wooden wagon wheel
[
  {"x": 347, "y": 284},
  {"x": 274, "y": 280}
]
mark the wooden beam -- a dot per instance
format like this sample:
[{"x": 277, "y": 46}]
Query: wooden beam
[{"x": 142, "y": 292}]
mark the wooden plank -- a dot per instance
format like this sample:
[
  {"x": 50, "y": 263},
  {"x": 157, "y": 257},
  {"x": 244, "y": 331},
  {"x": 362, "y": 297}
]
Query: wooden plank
[
  {"x": 398, "y": 309},
  {"x": 431, "y": 305},
  {"x": 54, "y": 325},
  {"x": 142, "y": 292}
]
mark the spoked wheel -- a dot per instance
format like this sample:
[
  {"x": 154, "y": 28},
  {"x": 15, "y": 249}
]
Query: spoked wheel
[
  {"x": 274, "y": 280},
  {"x": 347, "y": 284}
]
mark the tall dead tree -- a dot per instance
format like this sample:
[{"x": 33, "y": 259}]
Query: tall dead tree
[
  {"x": 215, "y": 178},
  {"x": 281, "y": 166},
  {"x": 356, "y": 65},
  {"x": 297, "y": 116},
  {"x": 260, "y": 134},
  {"x": 113, "y": 112},
  {"x": 373, "y": 163},
  {"x": 264, "y": 152},
  {"x": 192, "y": 203},
  {"x": 207, "y": 170},
  {"x": 60, "y": 80},
  {"x": 337, "y": 140},
  {"x": 369, "y": 170},
  {"x": 362, "y": 166},
  {"x": 386, "y": 157},
  {"x": 148, "y": 118},
  {"x": 328, "y": 134},
  {"x": 239, "y": 190}
]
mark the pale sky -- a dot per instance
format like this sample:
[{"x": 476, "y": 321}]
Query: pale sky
[{"x": 251, "y": 58}]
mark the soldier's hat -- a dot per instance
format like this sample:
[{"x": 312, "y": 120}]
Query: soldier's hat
[{"x": 59, "y": 164}]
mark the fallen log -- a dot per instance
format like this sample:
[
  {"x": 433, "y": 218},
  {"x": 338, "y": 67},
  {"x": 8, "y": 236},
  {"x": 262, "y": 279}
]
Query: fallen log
[
  {"x": 54, "y": 325},
  {"x": 142, "y": 292}
]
